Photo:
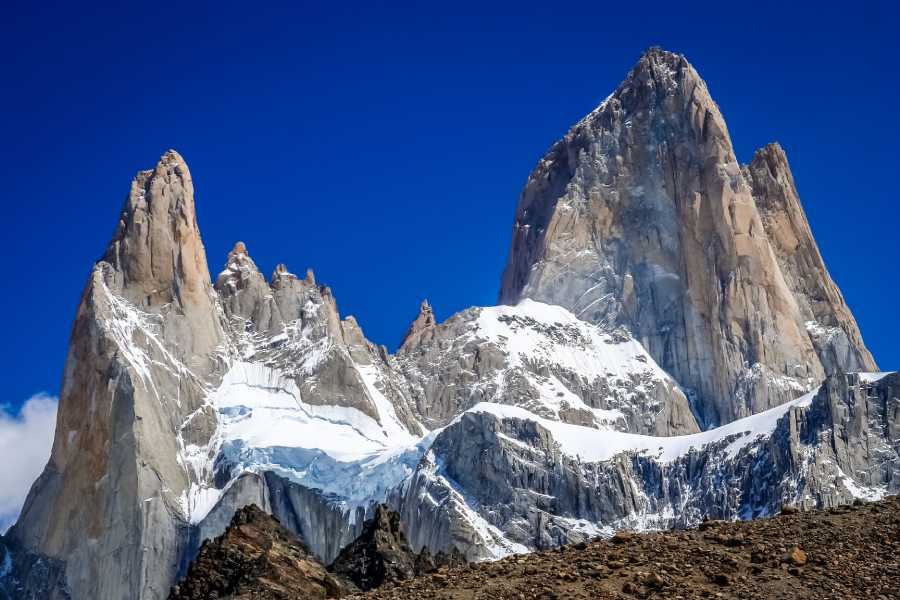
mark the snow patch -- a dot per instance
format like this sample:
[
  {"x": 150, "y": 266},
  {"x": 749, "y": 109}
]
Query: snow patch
[{"x": 873, "y": 377}]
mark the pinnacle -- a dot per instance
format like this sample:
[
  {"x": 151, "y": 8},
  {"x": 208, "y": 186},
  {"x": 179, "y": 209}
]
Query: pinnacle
[
  {"x": 239, "y": 248},
  {"x": 655, "y": 58},
  {"x": 171, "y": 156}
]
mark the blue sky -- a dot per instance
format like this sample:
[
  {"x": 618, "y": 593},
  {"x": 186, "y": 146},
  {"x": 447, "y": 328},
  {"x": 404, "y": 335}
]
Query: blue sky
[{"x": 385, "y": 145}]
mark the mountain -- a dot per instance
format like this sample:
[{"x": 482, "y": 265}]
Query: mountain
[
  {"x": 642, "y": 216},
  {"x": 670, "y": 347}
]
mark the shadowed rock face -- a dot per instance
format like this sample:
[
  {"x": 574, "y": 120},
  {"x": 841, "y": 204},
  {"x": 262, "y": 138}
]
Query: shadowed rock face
[
  {"x": 25, "y": 575},
  {"x": 642, "y": 216}
]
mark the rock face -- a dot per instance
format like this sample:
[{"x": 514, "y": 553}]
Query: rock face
[
  {"x": 659, "y": 289},
  {"x": 25, "y": 575},
  {"x": 828, "y": 320},
  {"x": 501, "y": 480},
  {"x": 110, "y": 502},
  {"x": 256, "y": 558},
  {"x": 642, "y": 216}
]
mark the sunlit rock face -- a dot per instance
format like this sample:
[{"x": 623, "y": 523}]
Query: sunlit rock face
[{"x": 642, "y": 216}]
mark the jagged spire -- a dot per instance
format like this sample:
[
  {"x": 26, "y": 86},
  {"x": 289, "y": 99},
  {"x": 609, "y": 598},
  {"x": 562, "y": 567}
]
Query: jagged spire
[
  {"x": 423, "y": 324},
  {"x": 156, "y": 246},
  {"x": 239, "y": 248}
]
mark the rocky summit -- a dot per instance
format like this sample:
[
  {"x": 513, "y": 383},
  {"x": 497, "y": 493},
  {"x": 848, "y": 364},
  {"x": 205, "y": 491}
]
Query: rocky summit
[{"x": 668, "y": 348}]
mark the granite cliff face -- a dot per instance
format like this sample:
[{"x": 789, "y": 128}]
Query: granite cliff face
[
  {"x": 655, "y": 288},
  {"x": 109, "y": 503},
  {"x": 641, "y": 216}
]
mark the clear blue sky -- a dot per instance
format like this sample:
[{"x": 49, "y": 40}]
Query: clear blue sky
[{"x": 385, "y": 145}]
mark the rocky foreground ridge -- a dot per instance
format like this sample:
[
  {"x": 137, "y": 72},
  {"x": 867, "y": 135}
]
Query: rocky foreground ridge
[
  {"x": 256, "y": 557},
  {"x": 844, "y": 553},
  {"x": 670, "y": 348}
]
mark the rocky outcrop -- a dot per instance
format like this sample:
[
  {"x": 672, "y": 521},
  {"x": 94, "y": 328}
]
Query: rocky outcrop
[
  {"x": 379, "y": 555},
  {"x": 421, "y": 330},
  {"x": 544, "y": 359},
  {"x": 256, "y": 558},
  {"x": 642, "y": 216}
]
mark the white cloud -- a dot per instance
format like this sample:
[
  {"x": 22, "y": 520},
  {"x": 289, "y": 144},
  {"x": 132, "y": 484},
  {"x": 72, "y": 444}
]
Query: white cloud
[{"x": 25, "y": 441}]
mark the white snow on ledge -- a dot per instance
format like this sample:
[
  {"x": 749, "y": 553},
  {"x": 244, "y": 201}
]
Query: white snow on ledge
[
  {"x": 596, "y": 445},
  {"x": 874, "y": 377}
]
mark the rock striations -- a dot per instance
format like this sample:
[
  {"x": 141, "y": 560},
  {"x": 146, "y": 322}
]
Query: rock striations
[{"x": 670, "y": 348}]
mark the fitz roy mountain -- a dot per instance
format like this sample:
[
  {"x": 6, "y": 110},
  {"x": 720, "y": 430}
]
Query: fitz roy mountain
[{"x": 668, "y": 346}]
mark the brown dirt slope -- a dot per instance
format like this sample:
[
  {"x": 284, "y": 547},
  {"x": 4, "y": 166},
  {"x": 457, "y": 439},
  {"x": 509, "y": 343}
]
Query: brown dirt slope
[{"x": 843, "y": 553}]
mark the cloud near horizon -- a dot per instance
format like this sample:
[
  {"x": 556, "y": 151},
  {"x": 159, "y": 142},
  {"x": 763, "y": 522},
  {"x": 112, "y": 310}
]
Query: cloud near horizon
[{"x": 25, "y": 442}]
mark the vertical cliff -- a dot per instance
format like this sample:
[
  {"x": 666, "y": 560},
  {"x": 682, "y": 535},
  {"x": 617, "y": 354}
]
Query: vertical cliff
[
  {"x": 111, "y": 501},
  {"x": 642, "y": 216}
]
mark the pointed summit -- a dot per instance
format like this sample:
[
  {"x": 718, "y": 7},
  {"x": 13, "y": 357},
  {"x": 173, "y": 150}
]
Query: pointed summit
[
  {"x": 139, "y": 357},
  {"x": 239, "y": 248},
  {"x": 641, "y": 216},
  {"x": 421, "y": 328},
  {"x": 239, "y": 273},
  {"x": 156, "y": 246},
  {"x": 827, "y": 319}
]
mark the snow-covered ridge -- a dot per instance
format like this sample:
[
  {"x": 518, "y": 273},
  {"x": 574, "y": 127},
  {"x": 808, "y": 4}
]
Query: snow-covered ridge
[
  {"x": 557, "y": 366},
  {"x": 593, "y": 445},
  {"x": 532, "y": 330}
]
